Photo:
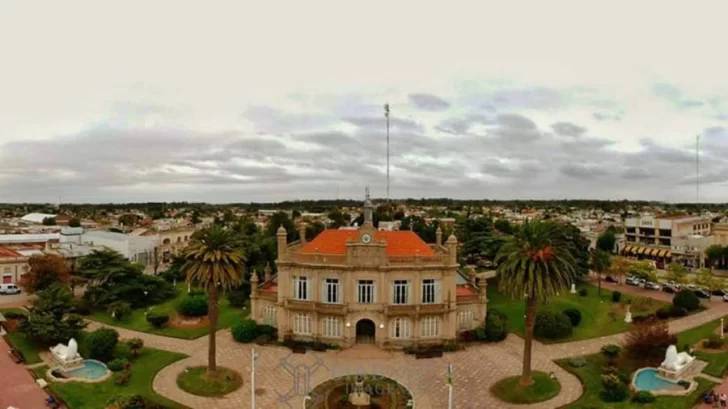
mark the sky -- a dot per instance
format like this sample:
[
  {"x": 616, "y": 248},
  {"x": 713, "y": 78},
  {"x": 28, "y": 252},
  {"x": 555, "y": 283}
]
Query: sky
[{"x": 278, "y": 100}]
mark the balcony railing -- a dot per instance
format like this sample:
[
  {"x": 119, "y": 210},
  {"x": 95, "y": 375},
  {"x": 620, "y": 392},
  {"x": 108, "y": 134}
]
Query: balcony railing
[
  {"x": 330, "y": 309},
  {"x": 433, "y": 308},
  {"x": 298, "y": 305},
  {"x": 268, "y": 295},
  {"x": 318, "y": 258},
  {"x": 400, "y": 309},
  {"x": 467, "y": 299}
]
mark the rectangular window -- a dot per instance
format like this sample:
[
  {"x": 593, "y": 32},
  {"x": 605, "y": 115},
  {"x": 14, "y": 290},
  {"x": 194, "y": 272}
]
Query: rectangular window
[
  {"x": 300, "y": 288},
  {"x": 330, "y": 291},
  {"x": 331, "y": 327},
  {"x": 365, "y": 291},
  {"x": 301, "y": 324},
  {"x": 430, "y": 291},
  {"x": 269, "y": 316},
  {"x": 400, "y": 292},
  {"x": 401, "y": 328},
  {"x": 430, "y": 327}
]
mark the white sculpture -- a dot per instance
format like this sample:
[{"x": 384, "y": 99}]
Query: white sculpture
[
  {"x": 628, "y": 316},
  {"x": 66, "y": 355},
  {"x": 675, "y": 363},
  {"x": 573, "y": 289}
]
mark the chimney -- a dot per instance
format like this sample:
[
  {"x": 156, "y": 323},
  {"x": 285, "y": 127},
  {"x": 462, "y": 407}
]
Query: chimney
[
  {"x": 282, "y": 243},
  {"x": 452, "y": 249}
]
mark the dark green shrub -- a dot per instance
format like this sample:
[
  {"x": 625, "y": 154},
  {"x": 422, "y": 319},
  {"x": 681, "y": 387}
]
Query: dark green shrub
[
  {"x": 714, "y": 342},
  {"x": 135, "y": 345},
  {"x": 123, "y": 351},
  {"x": 13, "y": 315},
  {"x": 116, "y": 365},
  {"x": 82, "y": 306},
  {"x": 676, "y": 311},
  {"x": 686, "y": 299},
  {"x": 616, "y": 296},
  {"x": 245, "y": 331},
  {"x": 583, "y": 292},
  {"x": 194, "y": 306},
  {"x": 130, "y": 402},
  {"x": 119, "y": 310},
  {"x": 613, "y": 389},
  {"x": 577, "y": 362},
  {"x": 480, "y": 334},
  {"x": 157, "y": 319},
  {"x": 122, "y": 378},
  {"x": 611, "y": 351},
  {"x": 237, "y": 297},
  {"x": 664, "y": 312},
  {"x": 496, "y": 328},
  {"x": 102, "y": 343},
  {"x": 267, "y": 330},
  {"x": 574, "y": 316},
  {"x": 552, "y": 325},
  {"x": 643, "y": 397}
]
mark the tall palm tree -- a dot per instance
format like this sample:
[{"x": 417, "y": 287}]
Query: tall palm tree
[
  {"x": 600, "y": 264},
  {"x": 536, "y": 263},
  {"x": 213, "y": 261}
]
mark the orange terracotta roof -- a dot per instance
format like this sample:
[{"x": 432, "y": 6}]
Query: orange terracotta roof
[
  {"x": 272, "y": 287},
  {"x": 4, "y": 252},
  {"x": 399, "y": 243},
  {"x": 462, "y": 290}
]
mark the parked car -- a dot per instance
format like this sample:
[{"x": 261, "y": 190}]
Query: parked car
[
  {"x": 691, "y": 287},
  {"x": 719, "y": 293},
  {"x": 702, "y": 293},
  {"x": 670, "y": 289},
  {"x": 610, "y": 279},
  {"x": 9, "y": 289},
  {"x": 652, "y": 286},
  {"x": 633, "y": 281},
  {"x": 725, "y": 298}
]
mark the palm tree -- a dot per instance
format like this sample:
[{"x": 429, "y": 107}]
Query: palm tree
[
  {"x": 600, "y": 264},
  {"x": 536, "y": 263},
  {"x": 212, "y": 260}
]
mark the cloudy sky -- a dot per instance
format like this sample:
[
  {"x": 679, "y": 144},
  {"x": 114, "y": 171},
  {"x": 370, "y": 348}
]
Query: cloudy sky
[{"x": 252, "y": 101}]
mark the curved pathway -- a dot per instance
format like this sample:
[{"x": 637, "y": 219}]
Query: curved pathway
[{"x": 282, "y": 378}]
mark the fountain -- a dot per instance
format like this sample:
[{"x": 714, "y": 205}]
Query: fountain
[
  {"x": 359, "y": 398},
  {"x": 668, "y": 378},
  {"x": 72, "y": 366}
]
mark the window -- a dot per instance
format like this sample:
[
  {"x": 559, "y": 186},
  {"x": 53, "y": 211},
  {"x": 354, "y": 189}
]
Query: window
[
  {"x": 429, "y": 327},
  {"x": 365, "y": 291},
  {"x": 300, "y": 288},
  {"x": 269, "y": 316},
  {"x": 401, "y": 328},
  {"x": 301, "y": 324},
  {"x": 465, "y": 320},
  {"x": 400, "y": 292},
  {"x": 331, "y": 327},
  {"x": 430, "y": 291},
  {"x": 330, "y": 291}
]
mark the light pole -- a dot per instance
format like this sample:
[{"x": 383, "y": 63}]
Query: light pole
[{"x": 253, "y": 358}]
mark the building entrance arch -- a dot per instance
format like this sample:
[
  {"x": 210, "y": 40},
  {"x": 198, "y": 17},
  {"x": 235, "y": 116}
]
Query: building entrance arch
[{"x": 365, "y": 331}]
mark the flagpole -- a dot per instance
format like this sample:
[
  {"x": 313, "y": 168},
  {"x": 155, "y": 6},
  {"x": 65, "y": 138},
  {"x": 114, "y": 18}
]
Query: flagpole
[
  {"x": 449, "y": 385},
  {"x": 253, "y": 357}
]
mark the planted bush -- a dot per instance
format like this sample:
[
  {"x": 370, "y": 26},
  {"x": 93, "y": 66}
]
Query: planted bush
[
  {"x": 613, "y": 389},
  {"x": 616, "y": 296},
  {"x": 245, "y": 331},
  {"x": 676, "y": 311},
  {"x": 119, "y": 310},
  {"x": 664, "y": 313},
  {"x": 643, "y": 397},
  {"x": 123, "y": 351},
  {"x": 496, "y": 327},
  {"x": 574, "y": 316},
  {"x": 577, "y": 362},
  {"x": 118, "y": 364},
  {"x": 649, "y": 340},
  {"x": 552, "y": 325},
  {"x": 714, "y": 342},
  {"x": 686, "y": 299},
  {"x": 611, "y": 351},
  {"x": 583, "y": 292},
  {"x": 157, "y": 319},
  {"x": 193, "y": 306},
  {"x": 102, "y": 343}
]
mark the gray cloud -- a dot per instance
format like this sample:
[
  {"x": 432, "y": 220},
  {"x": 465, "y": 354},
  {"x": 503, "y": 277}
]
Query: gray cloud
[
  {"x": 675, "y": 96},
  {"x": 568, "y": 129},
  {"x": 602, "y": 116},
  {"x": 583, "y": 170},
  {"x": 429, "y": 102}
]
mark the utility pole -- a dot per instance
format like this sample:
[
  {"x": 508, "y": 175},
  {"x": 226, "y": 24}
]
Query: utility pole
[
  {"x": 386, "y": 115},
  {"x": 697, "y": 169}
]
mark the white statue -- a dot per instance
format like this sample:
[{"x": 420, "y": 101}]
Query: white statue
[
  {"x": 628, "y": 316},
  {"x": 66, "y": 354},
  {"x": 676, "y": 362},
  {"x": 573, "y": 288}
]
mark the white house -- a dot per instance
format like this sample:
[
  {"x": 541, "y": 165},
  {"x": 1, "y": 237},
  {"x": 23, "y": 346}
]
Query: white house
[{"x": 139, "y": 249}]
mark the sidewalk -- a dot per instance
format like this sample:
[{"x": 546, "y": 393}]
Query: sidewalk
[{"x": 17, "y": 387}]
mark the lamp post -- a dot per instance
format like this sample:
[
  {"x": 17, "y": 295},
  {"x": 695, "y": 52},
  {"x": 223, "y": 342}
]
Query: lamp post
[
  {"x": 253, "y": 358},
  {"x": 721, "y": 328}
]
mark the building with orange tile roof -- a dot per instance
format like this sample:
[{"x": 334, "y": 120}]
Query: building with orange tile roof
[
  {"x": 12, "y": 265},
  {"x": 350, "y": 286}
]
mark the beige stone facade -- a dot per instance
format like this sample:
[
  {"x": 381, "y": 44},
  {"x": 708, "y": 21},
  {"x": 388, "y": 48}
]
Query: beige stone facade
[
  {"x": 368, "y": 286},
  {"x": 12, "y": 266},
  {"x": 172, "y": 241}
]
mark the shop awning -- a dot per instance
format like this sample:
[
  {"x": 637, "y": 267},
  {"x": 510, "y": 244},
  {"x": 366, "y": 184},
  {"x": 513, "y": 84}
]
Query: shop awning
[
  {"x": 652, "y": 252},
  {"x": 627, "y": 249},
  {"x": 640, "y": 250},
  {"x": 669, "y": 254},
  {"x": 661, "y": 253}
]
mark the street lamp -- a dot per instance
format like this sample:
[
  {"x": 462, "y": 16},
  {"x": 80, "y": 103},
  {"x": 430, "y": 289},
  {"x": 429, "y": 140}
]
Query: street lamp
[{"x": 253, "y": 358}]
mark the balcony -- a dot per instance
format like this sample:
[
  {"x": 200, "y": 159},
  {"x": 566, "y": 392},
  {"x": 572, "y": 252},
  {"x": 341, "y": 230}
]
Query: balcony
[
  {"x": 467, "y": 299},
  {"x": 400, "y": 309},
  {"x": 299, "y": 305},
  {"x": 433, "y": 308},
  {"x": 330, "y": 309},
  {"x": 268, "y": 295}
]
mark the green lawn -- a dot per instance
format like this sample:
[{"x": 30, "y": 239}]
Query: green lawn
[
  {"x": 717, "y": 362},
  {"x": 542, "y": 389},
  {"x": 196, "y": 382},
  {"x": 228, "y": 315},
  {"x": 26, "y": 347},
  {"x": 96, "y": 395},
  {"x": 590, "y": 376},
  {"x": 597, "y": 318}
]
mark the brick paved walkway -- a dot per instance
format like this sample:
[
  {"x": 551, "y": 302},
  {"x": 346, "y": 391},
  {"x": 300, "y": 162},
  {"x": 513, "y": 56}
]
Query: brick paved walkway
[{"x": 280, "y": 374}]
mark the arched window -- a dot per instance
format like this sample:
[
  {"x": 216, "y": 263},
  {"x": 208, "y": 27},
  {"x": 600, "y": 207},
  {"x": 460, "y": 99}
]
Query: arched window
[
  {"x": 401, "y": 328},
  {"x": 179, "y": 239},
  {"x": 166, "y": 241},
  {"x": 269, "y": 316},
  {"x": 301, "y": 324},
  {"x": 430, "y": 327},
  {"x": 465, "y": 320},
  {"x": 331, "y": 327}
]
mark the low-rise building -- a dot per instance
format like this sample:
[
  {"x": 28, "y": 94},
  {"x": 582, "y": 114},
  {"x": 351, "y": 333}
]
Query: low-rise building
[
  {"x": 668, "y": 238},
  {"x": 138, "y": 249},
  {"x": 12, "y": 265}
]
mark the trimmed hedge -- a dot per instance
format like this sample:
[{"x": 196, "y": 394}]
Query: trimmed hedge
[
  {"x": 574, "y": 316},
  {"x": 158, "y": 319},
  {"x": 496, "y": 327},
  {"x": 245, "y": 331},
  {"x": 102, "y": 344},
  {"x": 686, "y": 299},
  {"x": 118, "y": 364},
  {"x": 552, "y": 325},
  {"x": 193, "y": 306}
]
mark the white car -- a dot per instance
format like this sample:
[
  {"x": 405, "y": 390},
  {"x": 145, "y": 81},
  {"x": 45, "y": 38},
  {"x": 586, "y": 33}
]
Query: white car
[
  {"x": 652, "y": 286},
  {"x": 9, "y": 289}
]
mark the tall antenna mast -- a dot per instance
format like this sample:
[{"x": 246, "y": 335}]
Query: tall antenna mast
[
  {"x": 697, "y": 169},
  {"x": 386, "y": 115}
]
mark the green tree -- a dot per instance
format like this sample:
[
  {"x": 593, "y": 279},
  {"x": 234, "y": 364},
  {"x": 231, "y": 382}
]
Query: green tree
[
  {"x": 600, "y": 263},
  {"x": 705, "y": 279},
  {"x": 619, "y": 267},
  {"x": 213, "y": 262},
  {"x": 715, "y": 255},
  {"x": 47, "y": 322},
  {"x": 677, "y": 272},
  {"x": 606, "y": 241},
  {"x": 49, "y": 221},
  {"x": 643, "y": 269},
  {"x": 74, "y": 222},
  {"x": 536, "y": 264}
]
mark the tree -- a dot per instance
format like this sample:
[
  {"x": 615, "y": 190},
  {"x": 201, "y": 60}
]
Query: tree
[
  {"x": 47, "y": 321},
  {"x": 43, "y": 271},
  {"x": 606, "y": 241},
  {"x": 536, "y": 264},
  {"x": 212, "y": 261},
  {"x": 619, "y": 267},
  {"x": 49, "y": 221},
  {"x": 74, "y": 222},
  {"x": 643, "y": 269},
  {"x": 600, "y": 264},
  {"x": 715, "y": 255},
  {"x": 705, "y": 279},
  {"x": 156, "y": 260},
  {"x": 677, "y": 272}
]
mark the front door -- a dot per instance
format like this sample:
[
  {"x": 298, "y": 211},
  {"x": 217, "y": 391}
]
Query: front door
[
  {"x": 365, "y": 332},
  {"x": 7, "y": 279}
]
